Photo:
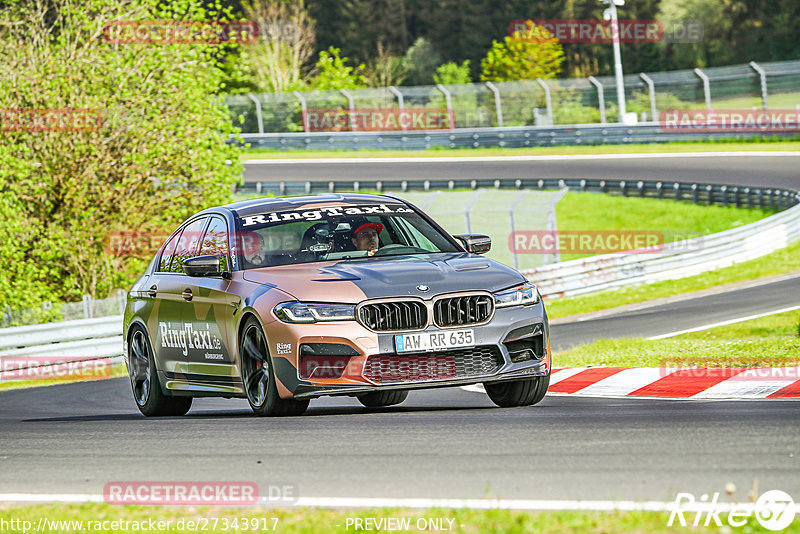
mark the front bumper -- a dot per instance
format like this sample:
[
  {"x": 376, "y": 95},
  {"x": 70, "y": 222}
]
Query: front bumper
[{"x": 366, "y": 344}]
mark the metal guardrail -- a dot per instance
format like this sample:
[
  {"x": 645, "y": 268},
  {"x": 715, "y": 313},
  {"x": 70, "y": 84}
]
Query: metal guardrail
[
  {"x": 49, "y": 344},
  {"x": 673, "y": 260},
  {"x": 509, "y": 137},
  {"x": 697, "y": 193}
]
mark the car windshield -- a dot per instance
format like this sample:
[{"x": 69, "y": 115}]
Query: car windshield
[{"x": 342, "y": 232}]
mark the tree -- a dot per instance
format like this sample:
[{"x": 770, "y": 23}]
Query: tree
[
  {"x": 421, "y": 61},
  {"x": 452, "y": 73},
  {"x": 333, "y": 72},
  {"x": 139, "y": 142},
  {"x": 278, "y": 59},
  {"x": 533, "y": 53},
  {"x": 385, "y": 69}
]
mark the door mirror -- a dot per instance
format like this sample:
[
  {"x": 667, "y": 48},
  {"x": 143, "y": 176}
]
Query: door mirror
[
  {"x": 475, "y": 243},
  {"x": 202, "y": 266}
]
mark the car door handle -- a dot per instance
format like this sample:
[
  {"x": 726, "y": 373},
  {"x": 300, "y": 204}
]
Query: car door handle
[
  {"x": 153, "y": 291},
  {"x": 187, "y": 294}
]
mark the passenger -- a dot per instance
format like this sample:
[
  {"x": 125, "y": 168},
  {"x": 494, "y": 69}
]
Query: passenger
[{"x": 253, "y": 248}]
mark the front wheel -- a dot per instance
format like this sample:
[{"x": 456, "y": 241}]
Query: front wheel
[
  {"x": 519, "y": 392},
  {"x": 147, "y": 393},
  {"x": 258, "y": 377}
]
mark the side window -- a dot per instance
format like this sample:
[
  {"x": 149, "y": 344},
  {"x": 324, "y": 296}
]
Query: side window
[
  {"x": 187, "y": 244},
  {"x": 215, "y": 240},
  {"x": 166, "y": 255}
]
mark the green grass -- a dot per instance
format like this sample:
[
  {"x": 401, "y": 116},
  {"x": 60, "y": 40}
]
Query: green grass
[
  {"x": 779, "y": 262},
  {"x": 705, "y": 146},
  {"x": 117, "y": 370},
  {"x": 776, "y": 102},
  {"x": 772, "y": 341},
  {"x": 304, "y": 520},
  {"x": 675, "y": 220}
]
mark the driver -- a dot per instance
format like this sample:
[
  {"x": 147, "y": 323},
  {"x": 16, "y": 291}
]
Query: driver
[
  {"x": 254, "y": 248},
  {"x": 365, "y": 236}
]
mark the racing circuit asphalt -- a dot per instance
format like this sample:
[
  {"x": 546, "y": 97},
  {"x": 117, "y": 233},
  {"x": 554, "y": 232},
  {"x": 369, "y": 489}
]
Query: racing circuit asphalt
[{"x": 444, "y": 443}]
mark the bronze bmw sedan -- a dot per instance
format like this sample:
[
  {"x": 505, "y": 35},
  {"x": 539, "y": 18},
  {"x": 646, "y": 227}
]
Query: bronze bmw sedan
[{"x": 283, "y": 300}]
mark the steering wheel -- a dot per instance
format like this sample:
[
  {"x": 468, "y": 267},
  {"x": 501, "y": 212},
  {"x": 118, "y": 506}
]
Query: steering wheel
[{"x": 394, "y": 248}]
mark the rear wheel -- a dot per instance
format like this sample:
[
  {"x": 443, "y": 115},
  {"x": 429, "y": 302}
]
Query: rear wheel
[
  {"x": 258, "y": 377},
  {"x": 144, "y": 380},
  {"x": 379, "y": 399},
  {"x": 518, "y": 393}
]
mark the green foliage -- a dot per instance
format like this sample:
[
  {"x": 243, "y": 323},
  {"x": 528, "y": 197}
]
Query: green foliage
[
  {"x": 154, "y": 153},
  {"x": 421, "y": 61},
  {"x": 333, "y": 73},
  {"x": 526, "y": 55},
  {"x": 453, "y": 73}
]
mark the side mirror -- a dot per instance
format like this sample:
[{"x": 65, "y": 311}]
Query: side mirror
[
  {"x": 475, "y": 243},
  {"x": 201, "y": 266}
]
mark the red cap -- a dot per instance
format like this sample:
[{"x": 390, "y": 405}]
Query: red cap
[{"x": 377, "y": 226}]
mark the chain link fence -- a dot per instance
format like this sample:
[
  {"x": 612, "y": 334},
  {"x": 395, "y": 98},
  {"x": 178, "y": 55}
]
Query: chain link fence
[
  {"x": 550, "y": 102},
  {"x": 49, "y": 312},
  {"x": 496, "y": 213}
]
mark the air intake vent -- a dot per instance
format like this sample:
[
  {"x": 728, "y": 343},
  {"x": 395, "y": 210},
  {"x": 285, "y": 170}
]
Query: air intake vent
[
  {"x": 463, "y": 310},
  {"x": 394, "y": 316}
]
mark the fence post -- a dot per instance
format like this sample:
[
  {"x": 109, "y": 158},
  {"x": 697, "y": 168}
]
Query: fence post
[
  {"x": 706, "y": 87},
  {"x": 122, "y": 296},
  {"x": 87, "y": 306},
  {"x": 258, "y": 112},
  {"x": 497, "y": 103},
  {"x": 601, "y": 98},
  {"x": 513, "y": 228},
  {"x": 472, "y": 202},
  {"x": 401, "y": 103},
  {"x": 352, "y": 106},
  {"x": 763, "y": 75},
  {"x": 547, "y": 99},
  {"x": 449, "y": 100},
  {"x": 303, "y": 108},
  {"x": 652, "y": 89}
]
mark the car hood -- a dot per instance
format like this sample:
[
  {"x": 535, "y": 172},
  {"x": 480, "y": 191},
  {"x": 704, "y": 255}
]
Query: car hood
[{"x": 396, "y": 276}]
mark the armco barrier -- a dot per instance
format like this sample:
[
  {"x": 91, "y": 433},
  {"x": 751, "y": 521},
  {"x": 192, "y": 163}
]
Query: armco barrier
[
  {"x": 509, "y": 137},
  {"x": 85, "y": 339},
  {"x": 674, "y": 260}
]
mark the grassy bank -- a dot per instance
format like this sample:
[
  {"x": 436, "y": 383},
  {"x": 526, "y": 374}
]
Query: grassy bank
[
  {"x": 705, "y": 146},
  {"x": 117, "y": 370},
  {"x": 307, "y": 521},
  {"x": 781, "y": 261},
  {"x": 772, "y": 341}
]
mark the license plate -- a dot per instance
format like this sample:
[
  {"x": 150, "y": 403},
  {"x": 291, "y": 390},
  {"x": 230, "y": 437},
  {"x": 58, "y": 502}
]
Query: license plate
[{"x": 432, "y": 341}]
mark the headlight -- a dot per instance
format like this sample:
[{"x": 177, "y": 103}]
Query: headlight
[
  {"x": 306, "y": 312},
  {"x": 517, "y": 296}
]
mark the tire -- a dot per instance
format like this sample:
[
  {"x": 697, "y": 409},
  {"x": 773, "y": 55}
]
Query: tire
[
  {"x": 258, "y": 377},
  {"x": 379, "y": 399},
  {"x": 150, "y": 400},
  {"x": 518, "y": 393}
]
